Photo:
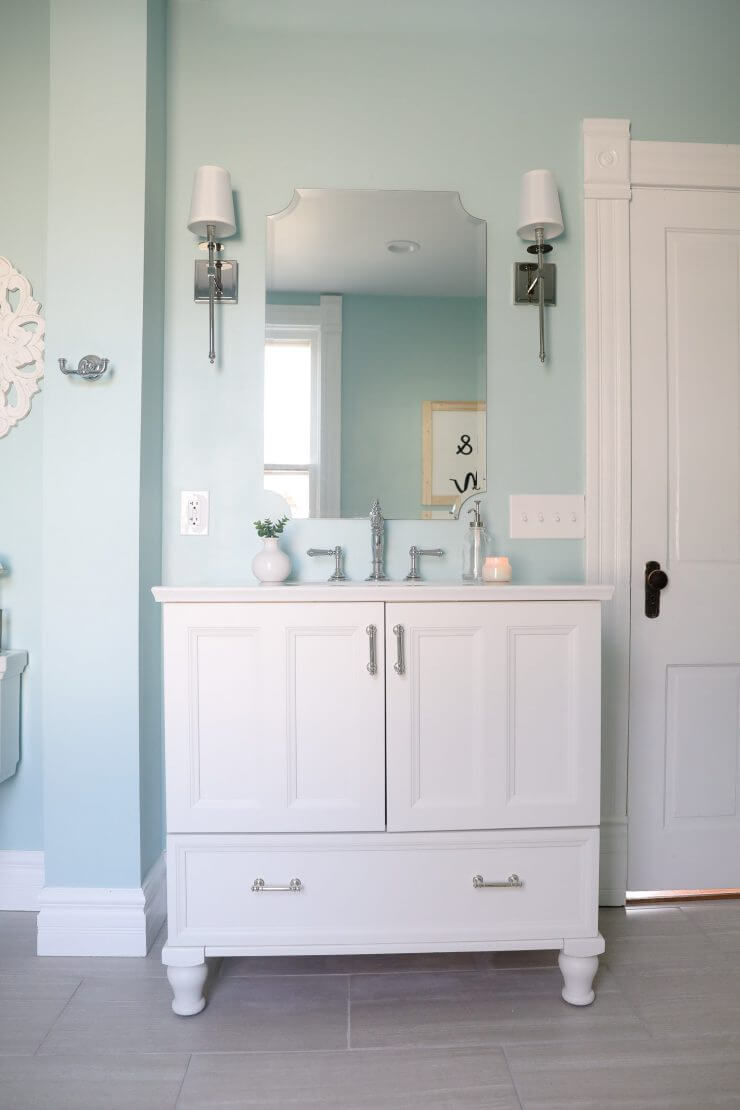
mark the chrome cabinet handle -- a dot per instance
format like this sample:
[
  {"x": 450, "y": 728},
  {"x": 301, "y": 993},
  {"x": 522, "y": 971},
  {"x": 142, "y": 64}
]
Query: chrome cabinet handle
[
  {"x": 400, "y": 665},
  {"x": 259, "y": 886},
  {"x": 513, "y": 880},
  {"x": 372, "y": 667}
]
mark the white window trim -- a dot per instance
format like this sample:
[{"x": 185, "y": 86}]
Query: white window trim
[
  {"x": 612, "y": 165},
  {"x": 322, "y": 324}
]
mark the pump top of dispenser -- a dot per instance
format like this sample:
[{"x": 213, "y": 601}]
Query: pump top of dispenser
[{"x": 476, "y": 522}]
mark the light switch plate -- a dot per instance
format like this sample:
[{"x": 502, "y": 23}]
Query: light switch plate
[
  {"x": 547, "y": 516},
  {"x": 194, "y": 512}
]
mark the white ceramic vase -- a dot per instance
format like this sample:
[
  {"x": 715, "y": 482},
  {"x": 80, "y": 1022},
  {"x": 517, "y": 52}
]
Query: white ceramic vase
[{"x": 271, "y": 564}]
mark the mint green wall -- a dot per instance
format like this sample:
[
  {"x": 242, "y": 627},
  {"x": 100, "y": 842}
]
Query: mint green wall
[
  {"x": 24, "y": 130},
  {"x": 151, "y": 762},
  {"x": 335, "y": 93},
  {"x": 100, "y": 527},
  {"x": 421, "y": 94},
  {"x": 396, "y": 353}
]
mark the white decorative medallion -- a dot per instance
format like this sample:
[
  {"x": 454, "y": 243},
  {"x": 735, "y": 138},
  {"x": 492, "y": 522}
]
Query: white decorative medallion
[{"x": 21, "y": 346}]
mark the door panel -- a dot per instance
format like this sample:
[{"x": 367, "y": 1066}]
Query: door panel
[
  {"x": 273, "y": 720},
  {"x": 493, "y": 723},
  {"x": 684, "y": 819}
]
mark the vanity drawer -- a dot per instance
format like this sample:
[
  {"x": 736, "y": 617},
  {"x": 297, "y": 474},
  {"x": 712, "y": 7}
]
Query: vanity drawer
[{"x": 384, "y": 892}]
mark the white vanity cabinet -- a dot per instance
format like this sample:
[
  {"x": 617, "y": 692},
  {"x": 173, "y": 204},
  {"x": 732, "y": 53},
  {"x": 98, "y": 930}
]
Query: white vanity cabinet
[
  {"x": 382, "y": 768},
  {"x": 273, "y": 721},
  {"x": 494, "y": 721}
]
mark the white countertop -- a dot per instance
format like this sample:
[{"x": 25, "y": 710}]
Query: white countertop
[{"x": 383, "y": 591}]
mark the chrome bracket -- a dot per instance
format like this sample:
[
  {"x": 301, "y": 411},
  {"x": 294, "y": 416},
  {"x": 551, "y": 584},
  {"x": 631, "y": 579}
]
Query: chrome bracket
[
  {"x": 525, "y": 283},
  {"x": 227, "y": 281}
]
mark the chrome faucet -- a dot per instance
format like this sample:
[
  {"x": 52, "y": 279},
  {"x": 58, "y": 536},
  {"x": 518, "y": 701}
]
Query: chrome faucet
[{"x": 377, "y": 541}]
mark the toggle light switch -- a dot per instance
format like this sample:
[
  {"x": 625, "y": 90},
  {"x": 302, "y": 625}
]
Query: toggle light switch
[{"x": 547, "y": 516}]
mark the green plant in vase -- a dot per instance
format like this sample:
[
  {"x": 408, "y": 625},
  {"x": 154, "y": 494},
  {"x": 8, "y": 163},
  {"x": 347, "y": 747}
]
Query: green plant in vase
[{"x": 271, "y": 565}]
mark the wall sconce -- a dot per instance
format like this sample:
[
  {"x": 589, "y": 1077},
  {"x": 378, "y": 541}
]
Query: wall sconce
[
  {"x": 540, "y": 218},
  {"x": 212, "y": 217}
]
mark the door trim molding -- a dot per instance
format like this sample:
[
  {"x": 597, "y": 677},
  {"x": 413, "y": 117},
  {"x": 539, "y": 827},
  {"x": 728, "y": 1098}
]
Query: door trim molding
[
  {"x": 607, "y": 191},
  {"x": 612, "y": 165}
]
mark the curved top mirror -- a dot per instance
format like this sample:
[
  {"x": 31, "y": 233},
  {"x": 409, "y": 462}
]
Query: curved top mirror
[{"x": 375, "y": 353}]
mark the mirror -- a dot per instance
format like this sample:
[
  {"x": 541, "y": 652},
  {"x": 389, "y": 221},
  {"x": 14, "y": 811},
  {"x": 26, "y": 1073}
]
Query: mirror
[{"x": 375, "y": 353}]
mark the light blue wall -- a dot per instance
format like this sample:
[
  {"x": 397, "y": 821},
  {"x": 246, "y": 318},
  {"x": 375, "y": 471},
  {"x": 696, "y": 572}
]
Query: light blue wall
[
  {"x": 24, "y": 129},
  {"x": 150, "y": 461},
  {"x": 396, "y": 353},
  {"x": 421, "y": 94},
  {"x": 95, "y": 545},
  {"x": 424, "y": 94}
]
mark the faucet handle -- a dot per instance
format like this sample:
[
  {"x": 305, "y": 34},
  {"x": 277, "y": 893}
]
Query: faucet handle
[
  {"x": 414, "y": 551},
  {"x": 338, "y": 575}
]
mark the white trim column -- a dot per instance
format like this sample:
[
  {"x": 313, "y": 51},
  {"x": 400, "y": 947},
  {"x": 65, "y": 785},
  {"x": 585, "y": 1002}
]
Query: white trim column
[{"x": 607, "y": 192}]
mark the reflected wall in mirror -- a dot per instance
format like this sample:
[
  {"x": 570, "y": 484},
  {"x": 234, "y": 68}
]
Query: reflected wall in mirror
[{"x": 375, "y": 353}]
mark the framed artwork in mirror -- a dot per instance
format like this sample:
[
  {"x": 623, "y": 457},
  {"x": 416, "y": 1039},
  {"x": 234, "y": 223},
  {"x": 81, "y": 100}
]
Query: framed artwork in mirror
[{"x": 453, "y": 450}]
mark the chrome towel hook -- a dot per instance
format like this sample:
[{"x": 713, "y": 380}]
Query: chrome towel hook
[{"x": 90, "y": 367}]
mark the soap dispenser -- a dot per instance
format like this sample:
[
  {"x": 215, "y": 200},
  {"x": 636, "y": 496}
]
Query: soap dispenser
[{"x": 476, "y": 546}]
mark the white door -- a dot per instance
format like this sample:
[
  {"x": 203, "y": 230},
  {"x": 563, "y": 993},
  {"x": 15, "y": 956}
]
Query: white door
[
  {"x": 684, "y": 817},
  {"x": 493, "y": 721},
  {"x": 273, "y": 720}
]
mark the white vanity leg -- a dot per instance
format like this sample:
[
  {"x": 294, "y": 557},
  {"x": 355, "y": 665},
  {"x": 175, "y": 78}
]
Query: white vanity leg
[
  {"x": 579, "y": 962},
  {"x": 187, "y": 972}
]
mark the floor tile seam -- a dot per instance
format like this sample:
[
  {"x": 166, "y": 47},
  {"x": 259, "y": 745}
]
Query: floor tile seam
[
  {"x": 512, "y": 1077},
  {"x": 699, "y": 927},
  {"x": 632, "y": 1007},
  {"x": 182, "y": 1081},
  {"x": 349, "y": 1011},
  {"x": 56, "y": 1019}
]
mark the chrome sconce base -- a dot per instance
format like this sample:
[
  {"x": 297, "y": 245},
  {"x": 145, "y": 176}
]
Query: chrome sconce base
[
  {"x": 227, "y": 281},
  {"x": 525, "y": 285}
]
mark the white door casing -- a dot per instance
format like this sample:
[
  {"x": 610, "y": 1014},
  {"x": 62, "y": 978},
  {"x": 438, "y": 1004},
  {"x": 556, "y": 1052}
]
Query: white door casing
[
  {"x": 684, "y": 780},
  {"x": 273, "y": 721},
  {"x": 482, "y": 686},
  {"x": 612, "y": 166}
]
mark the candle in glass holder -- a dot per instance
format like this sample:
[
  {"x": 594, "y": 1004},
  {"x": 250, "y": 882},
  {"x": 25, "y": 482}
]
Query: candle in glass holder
[{"x": 496, "y": 568}]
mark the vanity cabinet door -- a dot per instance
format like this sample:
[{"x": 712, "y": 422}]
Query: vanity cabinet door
[
  {"x": 273, "y": 720},
  {"x": 494, "y": 721}
]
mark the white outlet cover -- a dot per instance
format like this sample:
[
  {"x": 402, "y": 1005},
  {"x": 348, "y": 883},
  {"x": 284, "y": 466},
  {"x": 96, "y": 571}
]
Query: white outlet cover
[
  {"x": 547, "y": 516},
  {"x": 194, "y": 512}
]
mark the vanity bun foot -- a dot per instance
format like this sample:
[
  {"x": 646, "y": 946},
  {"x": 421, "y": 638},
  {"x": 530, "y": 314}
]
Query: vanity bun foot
[
  {"x": 187, "y": 972},
  {"x": 578, "y": 975}
]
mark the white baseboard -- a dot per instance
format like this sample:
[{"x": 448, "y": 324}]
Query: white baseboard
[
  {"x": 96, "y": 921},
  {"x": 21, "y": 880},
  {"x": 613, "y": 862}
]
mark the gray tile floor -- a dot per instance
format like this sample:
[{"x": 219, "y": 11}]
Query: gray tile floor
[{"x": 458, "y": 1032}]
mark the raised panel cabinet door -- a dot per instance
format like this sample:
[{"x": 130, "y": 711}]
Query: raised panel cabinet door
[
  {"x": 274, "y": 719},
  {"x": 493, "y": 714}
]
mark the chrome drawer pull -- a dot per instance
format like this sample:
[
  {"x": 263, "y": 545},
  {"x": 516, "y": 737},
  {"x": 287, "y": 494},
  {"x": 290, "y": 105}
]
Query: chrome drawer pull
[
  {"x": 259, "y": 886},
  {"x": 372, "y": 667},
  {"x": 400, "y": 665},
  {"x": 513, "y": 880}
]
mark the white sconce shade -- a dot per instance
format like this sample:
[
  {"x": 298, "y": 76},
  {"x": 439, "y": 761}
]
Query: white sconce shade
[
  {"x": 212, "y": 202},
  {"x": 539, "y": 205}
]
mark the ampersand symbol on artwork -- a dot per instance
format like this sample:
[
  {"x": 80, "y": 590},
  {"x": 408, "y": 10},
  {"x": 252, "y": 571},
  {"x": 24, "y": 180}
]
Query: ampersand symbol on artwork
[{"x": 465, "y": 446}]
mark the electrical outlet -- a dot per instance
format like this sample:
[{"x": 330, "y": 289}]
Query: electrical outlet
[
  {"x": 194, "y": 513},
  {"x": 547, "y": 516}
]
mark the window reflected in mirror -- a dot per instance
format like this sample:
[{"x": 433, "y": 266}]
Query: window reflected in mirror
[{"x": 375, "y": 353}]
